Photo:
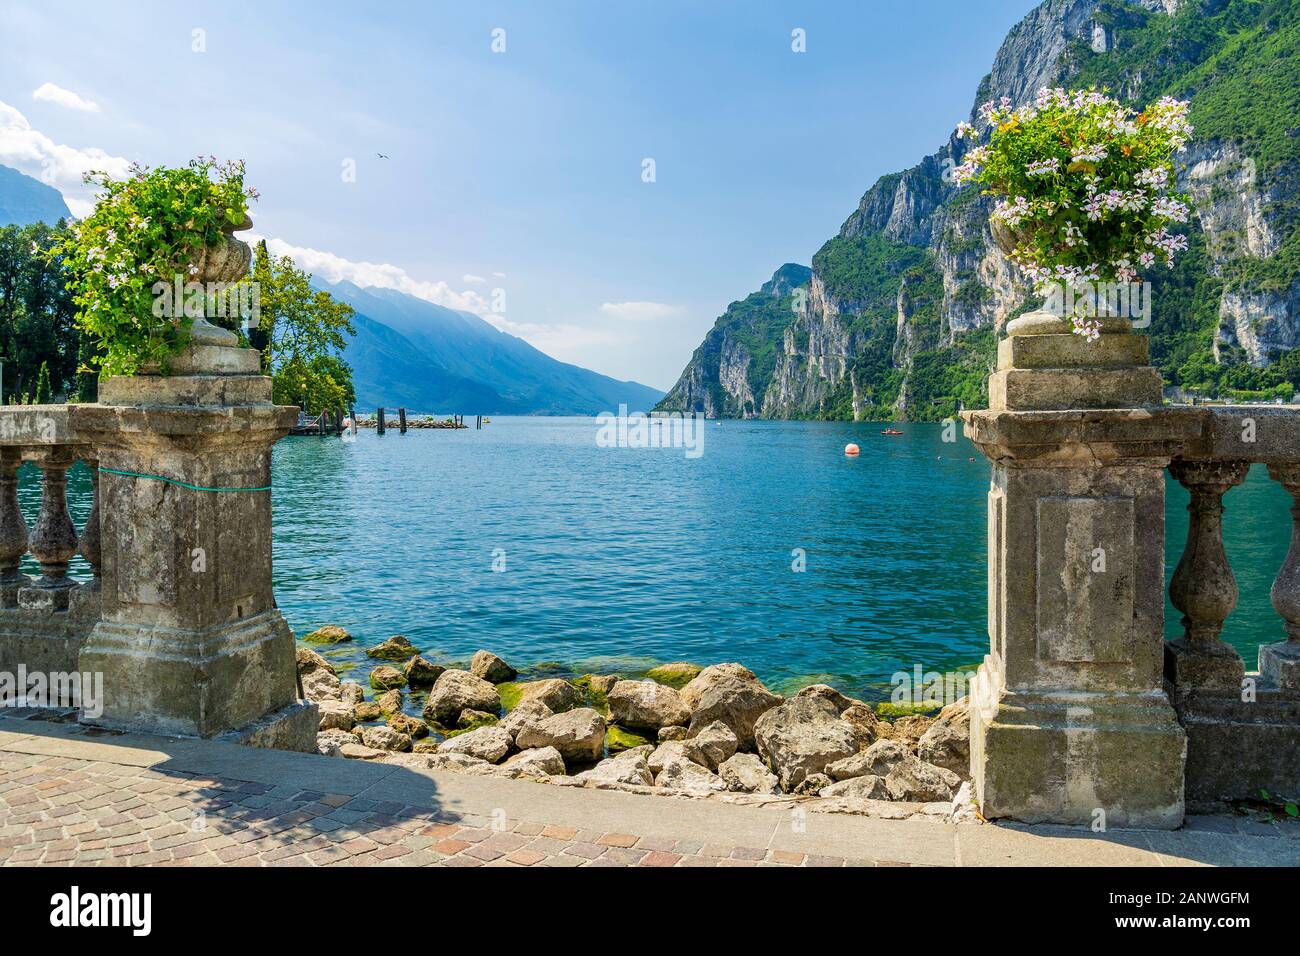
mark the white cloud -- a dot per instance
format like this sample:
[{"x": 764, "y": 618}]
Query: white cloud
[
  {"x": 639, "y": 311},
  {"x": 499, "y": 275},
  {"x": 56, "y": 164},
  {"x": 65, "y": 98},
  {"x": 472, "y": 279}
]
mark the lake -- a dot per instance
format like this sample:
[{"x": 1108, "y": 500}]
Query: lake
[{"x": 616, "y": 559}]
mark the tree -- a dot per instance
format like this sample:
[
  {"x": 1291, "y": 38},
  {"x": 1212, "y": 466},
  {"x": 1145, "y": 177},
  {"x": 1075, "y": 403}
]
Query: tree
[
  {"x": 301, "y": 333},
  {"x": 37, "y": 314}
]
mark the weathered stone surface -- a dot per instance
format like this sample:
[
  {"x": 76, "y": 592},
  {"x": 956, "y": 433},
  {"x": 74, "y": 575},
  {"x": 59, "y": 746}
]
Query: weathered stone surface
[
  {"x": 491, "y": 668},
  {"x": 308, "y": 661},
  {"x": 579, "y": 735},
  {"x": 330, "y": 742},
  {"x": 676, "y": 674},
  {"x": 673, "y": 750},
  {"x": 914, "y": 779},
  {"x": 526, "y": 714},
  {"x": 426, "y": 746},
  {"x": 413, "y": 727},
  {"x": 458, "y": 762},
  {"x": 350, "y": 692},
  {"x": 396, "y": 648},
  {"x": 336, "y": 715},
  {"x": 736, "y": 701},
  {"x": 602, "y": 683},
  {"x": 685, "y": 775},
  {"x": 456, "y": 690},
  {"x": 947, "y": 741},
  {"x": 389, "y": 703},
  {"x": 556, "y": 694},
  {"x": 385, "y": 677},
  {"x": 868, "y": 787},
  {"x": 355, "y": 751},
  {"x": 627, "y": 768},
  {"x": 321, "y": 684},
  {"x": 911, "y": 729},
  {"x": 878, "y": 759},
  {"x": 385, "y": 738},
  {"x": 672, "y": 733},
  {"x": 421, "y": 673},
  {"x": 470, "y": 719},
  {"x": 801, "y": 737},
  {"x": 813, "y": 784},
  {"x": 706, "y": 678},
  {"x": 367, "y": 710},
  {"x": 828, "y": 693},
  {"x": 864, "y": 720},
  {"x": 486, "y": 743},
  {"x": 745, "y": 773},
  {"x": 329, "y": 634},
  {"x": 718, "y": 742},
  {"x": 646, "y": 705},
  {"x": 538, "y": 762}
]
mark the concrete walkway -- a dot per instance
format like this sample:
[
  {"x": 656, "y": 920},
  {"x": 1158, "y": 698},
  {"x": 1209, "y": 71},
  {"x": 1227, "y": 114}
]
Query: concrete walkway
[{"x": 68, "y": 796}]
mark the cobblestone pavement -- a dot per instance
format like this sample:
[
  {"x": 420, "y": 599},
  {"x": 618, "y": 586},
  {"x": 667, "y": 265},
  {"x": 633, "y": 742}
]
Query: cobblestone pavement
[
  {"x": 70, "y": 796},
  {"x": 57, "y": 810}
]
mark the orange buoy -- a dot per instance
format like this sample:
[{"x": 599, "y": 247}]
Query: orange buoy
[{"x": 852, "y": 450}]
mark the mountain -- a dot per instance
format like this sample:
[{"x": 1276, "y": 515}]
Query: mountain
[
  {"x": 904, "y": 304},
  {"x": 413, "y": 353},
  {"x": 24, "y": 200}
]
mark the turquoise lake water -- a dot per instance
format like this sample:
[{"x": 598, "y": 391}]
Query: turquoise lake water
[{"x": 617, "y": 559}]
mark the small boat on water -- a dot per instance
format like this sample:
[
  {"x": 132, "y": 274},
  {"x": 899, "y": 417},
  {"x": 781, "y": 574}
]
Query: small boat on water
[{"x": 891, "y": 431}]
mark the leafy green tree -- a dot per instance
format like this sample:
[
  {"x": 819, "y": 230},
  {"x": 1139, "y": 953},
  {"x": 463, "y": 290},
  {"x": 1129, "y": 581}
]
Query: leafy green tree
[
  {"x": 37, "y": 327},
  {"x": 301, "y": 333}
]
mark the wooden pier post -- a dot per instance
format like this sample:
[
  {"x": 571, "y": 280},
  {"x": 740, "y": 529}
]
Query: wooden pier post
[
  {"x": 401, "y": 420},
  {"x": 380, "y": 416}
]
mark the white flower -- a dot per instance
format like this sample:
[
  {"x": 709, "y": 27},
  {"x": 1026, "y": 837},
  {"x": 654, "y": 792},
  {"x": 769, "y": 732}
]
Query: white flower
[
  {"x": 1043, "y": 167},
  {"x": 964, "y": 129}
]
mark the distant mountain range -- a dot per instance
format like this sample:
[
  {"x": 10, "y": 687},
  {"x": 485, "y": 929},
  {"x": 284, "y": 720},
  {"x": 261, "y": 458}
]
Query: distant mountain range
[
  {"x": 411, "y": 353},
  {"x": 24, "y": 200}
]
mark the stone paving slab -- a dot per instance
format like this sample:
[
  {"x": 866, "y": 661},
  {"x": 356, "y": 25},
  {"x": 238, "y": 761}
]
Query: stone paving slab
[{"x": 72, "y": 798}]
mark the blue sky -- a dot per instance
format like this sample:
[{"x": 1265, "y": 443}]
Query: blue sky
[{"x": 519, "y": 170}]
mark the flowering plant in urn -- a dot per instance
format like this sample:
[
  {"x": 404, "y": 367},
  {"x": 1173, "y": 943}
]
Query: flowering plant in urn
[
  {"x": 155, "y": 228},
  {"x": 1085, "y": 186}
]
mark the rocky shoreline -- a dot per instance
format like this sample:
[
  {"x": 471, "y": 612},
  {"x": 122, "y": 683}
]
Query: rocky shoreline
[{"x": 682, "y": 730}]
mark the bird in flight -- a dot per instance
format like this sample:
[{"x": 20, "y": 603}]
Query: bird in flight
[{"x": 381, "y": 155}]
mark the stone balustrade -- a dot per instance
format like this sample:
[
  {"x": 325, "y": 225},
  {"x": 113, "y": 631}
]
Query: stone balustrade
[{"x": 45, "y": 618}]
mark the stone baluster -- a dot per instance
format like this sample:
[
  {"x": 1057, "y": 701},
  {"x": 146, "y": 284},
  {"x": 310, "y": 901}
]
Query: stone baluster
[
  {"x": 13, "y": 528},
  {"x": 1203, "y": 586},
  {"x": 54, "y": 538},
  {"x": 1280, "y": 663},
  {"x": 89, "y": 547}
]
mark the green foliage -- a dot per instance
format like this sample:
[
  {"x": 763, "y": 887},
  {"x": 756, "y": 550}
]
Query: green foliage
[
  {"x": 36, "y": 313},
  {"x": 43, "y": 394},
  {"x": 301, "y": 332},
  {"x": 149, "y": 228}
]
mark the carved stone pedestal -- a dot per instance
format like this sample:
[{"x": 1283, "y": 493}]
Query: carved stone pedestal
[{"x": 190, "y": 641}]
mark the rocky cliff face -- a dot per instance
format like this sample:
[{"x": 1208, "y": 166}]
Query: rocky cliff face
[{"x": 903, "y": 306}]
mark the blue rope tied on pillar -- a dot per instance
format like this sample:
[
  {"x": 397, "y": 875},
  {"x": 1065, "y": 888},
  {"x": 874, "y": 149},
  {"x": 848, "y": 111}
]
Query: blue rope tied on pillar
[{"x": 180, "y": 484}]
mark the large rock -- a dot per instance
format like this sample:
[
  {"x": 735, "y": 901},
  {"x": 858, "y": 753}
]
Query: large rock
[
  {"x": 457, "y": 690},
  {"x": 914, "y": 779},
  {"x": 673, "y": 750},
  {"x": 685, "y": 775},
  {"x": 801, "y": 737},
  {"x": 491, "y": 668},
  {"x": 421, "y": 673},
  {"x": 308, "y": 661},
  {"x": 329, "y": 634},
  {"x": 350, "y": 692},
  {"x": 525, "y": 715},
  {"x": 329, "y": 743},
  {"x": 396, "y": 648},
  {"x": 706, "y": 678},
  {"x": 675, "y": 674},
  {"x": 911, "y": 729},
  {"x": 336, "y": 715},
  {"x": 413, "y": 727},
  {"x": 867, "y": 787},
  {"x": 878, "y": 759},
  {"x": 579, "y": 735},
  {"x": 556, "y": 694},
  {"x": 627, "y": 768},
  {"x": 646, "y": 705},
  {"x": 473, "y": 719},
  {"x": 745, "y": 773},
  {"x": 672, "y": 733},
  {"x": 367, "y": 710},
  {"x": 828, "y": 693},
  {"x": 864, "y": 720},
  {"x": 601, "y": 684},
  {"x": 389, "y": 703},
  {"x": 385, "y": 738},
  {"x": 539, "y": 762},
  {"x": 461, "y": 763},
  {"x": 947, "y": 742},
  {"x": 718, "y": 742},
  {"x": 736, "y": 701},
  {"x": 386, "y": 677},
  {"x": 486, "y": 743},
  {"x": 321, "y": 684}
]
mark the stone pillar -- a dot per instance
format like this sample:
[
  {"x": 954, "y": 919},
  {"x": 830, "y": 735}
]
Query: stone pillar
[
  {"x": 1070, "y": 722},
  {"x": 13, "y": 529},
  {"x": 1279, "y": 664},
  {"x": 190, "y": 641}
]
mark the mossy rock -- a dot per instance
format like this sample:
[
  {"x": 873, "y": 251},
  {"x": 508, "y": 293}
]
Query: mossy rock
[
  {"x": 891, "y": 711},
  {"x": 329, "y": 634},
  {"x": 550, "y": 669},
  {"x": 385, "y": 677},
  {"x": 473, "y": 719},
  {"x": 396, "y": 648},
  {"x": 618, "y": 739},
  {"x": 510, "y": 693},
  {"x": 676, "y": 674}
]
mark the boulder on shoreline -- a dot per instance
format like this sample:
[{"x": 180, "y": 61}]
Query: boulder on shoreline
[
  {"x": 676, "y": 674},
  {"x": 946, "y": 743},
  {"x": 801, "y": 737},
  {"x": 396, "y": 648},
  {"x": 420, "y": 673},
  {"x": 578, "y": 735},
  {"x": 538, "y": 762},
  {"x": 486, "y": 743},
  {"x": 458, "y": 690},
  {"x": 745, "y": 773},
  {"x": 645, "y": 705},
  {"x": 558, "y": 695},
  {"x": 731, "y": 698},
  {"x": 385, "y": 738},
  {"x": 491, "y": 668},
  {"x": 526, "y": 714},
  {"x": 329, "y": 634},
  {"x": 385, "y": 677}
]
